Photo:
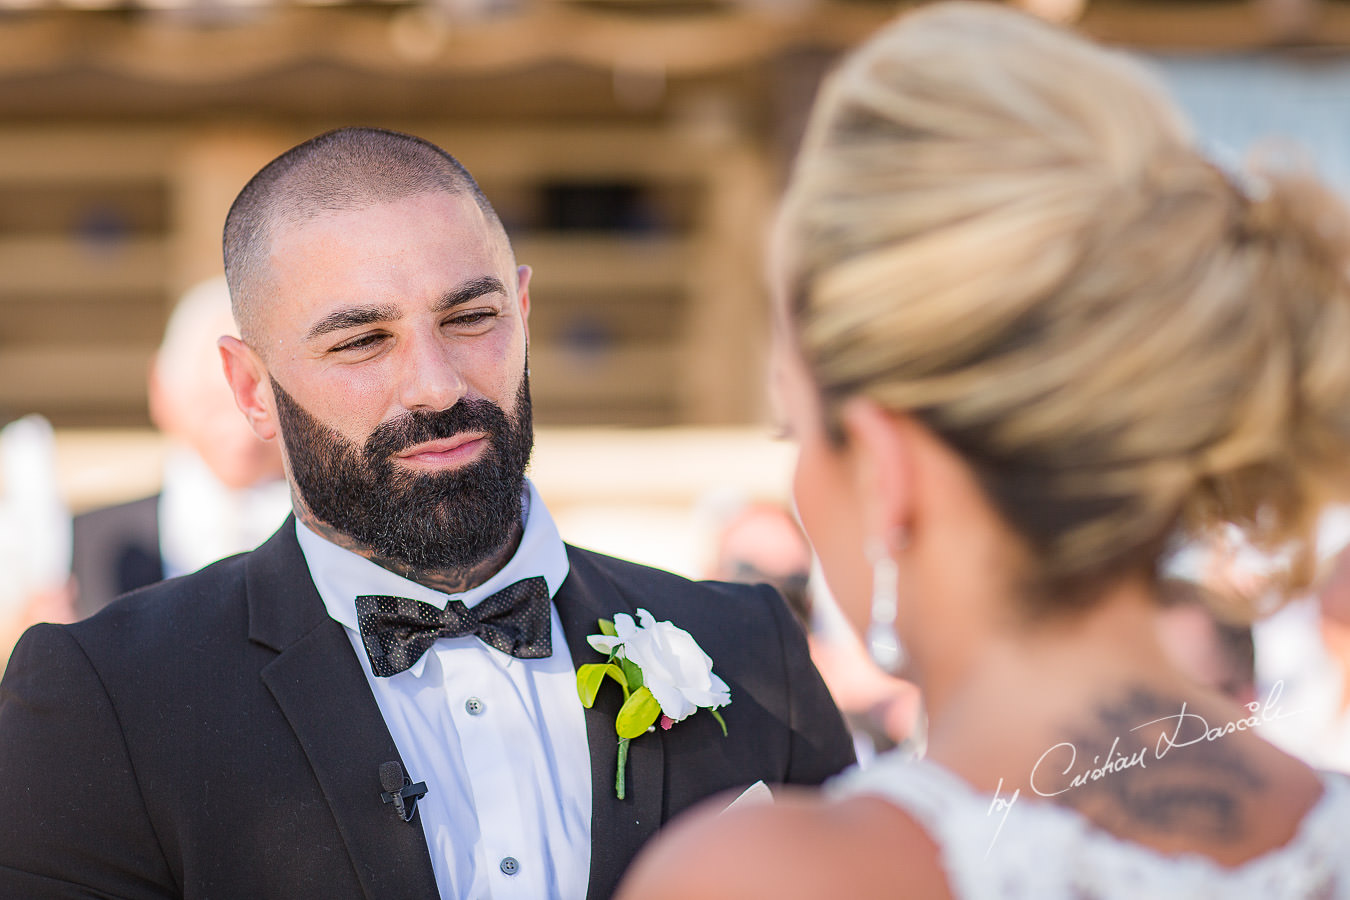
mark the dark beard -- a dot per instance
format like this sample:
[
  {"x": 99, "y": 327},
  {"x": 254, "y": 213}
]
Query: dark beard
[{"x": 427, "y": 522}]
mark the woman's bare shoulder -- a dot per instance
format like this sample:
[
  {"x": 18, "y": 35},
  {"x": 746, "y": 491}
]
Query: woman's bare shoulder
[{"x": 800, "y": 846}]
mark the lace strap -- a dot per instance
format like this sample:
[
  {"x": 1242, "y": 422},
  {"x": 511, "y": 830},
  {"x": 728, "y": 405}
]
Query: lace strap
[
  {"x": 1047, "y": 851},
  {"x": 958, "y": 819},
  {"x": 922, "y": 789}
]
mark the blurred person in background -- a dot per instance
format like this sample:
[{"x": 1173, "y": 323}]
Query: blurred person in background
[
  {"x": 761, "y": 542},
  {"x": 1304, "y": 652},
  {"x": 254, "y": 729},
  {"x": 1301, "y": 650},
  {"x": 34, "y": 532},
  {"x": 222, "y": 490},
  {"x": 1026, "y": 332},
  {"x": 1216, "y": 653}
]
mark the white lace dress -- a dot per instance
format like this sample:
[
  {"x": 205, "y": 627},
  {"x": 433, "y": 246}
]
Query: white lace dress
[{"x": 1043, "y": 851}]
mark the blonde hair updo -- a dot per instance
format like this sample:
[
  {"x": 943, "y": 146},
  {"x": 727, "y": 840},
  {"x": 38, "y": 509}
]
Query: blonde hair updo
[{"x": 1005, "y": 231}]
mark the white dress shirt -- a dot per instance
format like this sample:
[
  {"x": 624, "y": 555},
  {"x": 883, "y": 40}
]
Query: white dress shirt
[{"x": 499, "y": 741}]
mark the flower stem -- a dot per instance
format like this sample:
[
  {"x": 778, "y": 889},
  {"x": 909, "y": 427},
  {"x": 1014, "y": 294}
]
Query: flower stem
[{"x": 623, "y": 764}]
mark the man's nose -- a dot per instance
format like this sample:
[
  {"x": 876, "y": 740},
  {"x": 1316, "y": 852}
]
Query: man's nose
[{"x": 430, "y": 376}]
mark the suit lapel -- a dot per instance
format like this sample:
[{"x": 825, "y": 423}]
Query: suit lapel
[
  {"x": 321, "y": 689},
  {"x": 618, "y": 827}
]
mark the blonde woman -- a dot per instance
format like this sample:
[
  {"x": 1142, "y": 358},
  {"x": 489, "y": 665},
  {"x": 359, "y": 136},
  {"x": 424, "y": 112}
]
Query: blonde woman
[{"x": 1026, "y": 334}]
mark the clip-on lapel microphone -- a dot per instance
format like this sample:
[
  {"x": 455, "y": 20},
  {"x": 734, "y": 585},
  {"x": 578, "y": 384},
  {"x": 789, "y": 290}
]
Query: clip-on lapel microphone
[{"x": 399, "y": 789}]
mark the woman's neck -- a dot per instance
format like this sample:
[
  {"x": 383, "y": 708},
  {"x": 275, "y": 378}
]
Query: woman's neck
[{"x": 1023, "y": 676}]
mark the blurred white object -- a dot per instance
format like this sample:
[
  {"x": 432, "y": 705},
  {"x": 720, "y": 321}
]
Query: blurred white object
[
  {"x": 34, "y": 522},
  {"x": 757, "y": 794},
  {"x": 1292, "y": 658}
]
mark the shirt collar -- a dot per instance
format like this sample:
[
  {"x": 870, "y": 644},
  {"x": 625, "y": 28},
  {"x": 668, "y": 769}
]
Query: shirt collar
[{"x": 340, "y": 576}]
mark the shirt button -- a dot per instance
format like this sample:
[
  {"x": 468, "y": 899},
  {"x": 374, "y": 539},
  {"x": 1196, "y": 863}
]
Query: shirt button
[
  {"x": 510, "y": 866},
  {"x": 474, "y": 707}
]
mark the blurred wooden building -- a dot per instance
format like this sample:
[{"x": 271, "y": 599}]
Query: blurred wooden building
[{"x": 633, "y": 147}]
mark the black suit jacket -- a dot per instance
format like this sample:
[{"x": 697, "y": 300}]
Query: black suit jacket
[{"x": 215, "y": 736}]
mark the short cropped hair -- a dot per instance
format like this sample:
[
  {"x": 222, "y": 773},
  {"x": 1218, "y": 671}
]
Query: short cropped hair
[{"x": 345, "y": 169}]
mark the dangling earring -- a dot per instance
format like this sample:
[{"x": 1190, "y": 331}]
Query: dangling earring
[{"x": 883, "y": 645}]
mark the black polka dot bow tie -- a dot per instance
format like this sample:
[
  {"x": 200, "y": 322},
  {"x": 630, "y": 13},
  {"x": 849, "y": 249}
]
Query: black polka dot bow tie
[{"x": 396, "y": 631}]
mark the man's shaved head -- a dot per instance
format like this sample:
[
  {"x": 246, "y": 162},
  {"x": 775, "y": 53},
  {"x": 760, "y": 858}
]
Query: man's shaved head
[{"x": 346, "y": 169}]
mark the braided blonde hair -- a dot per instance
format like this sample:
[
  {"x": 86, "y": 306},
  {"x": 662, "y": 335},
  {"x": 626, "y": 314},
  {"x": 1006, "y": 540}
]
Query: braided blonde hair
[{"x": 1005, "y": 230}]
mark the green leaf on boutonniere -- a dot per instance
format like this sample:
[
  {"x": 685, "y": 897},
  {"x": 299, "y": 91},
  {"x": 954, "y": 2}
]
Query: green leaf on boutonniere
[
  {"x": 720, "y": 721},
  {"x": 607, "y": 628},
  {"x": 632, "y": 672},
  {"x": 639, "y": 713},
  {"x": 591, "y": 676}
]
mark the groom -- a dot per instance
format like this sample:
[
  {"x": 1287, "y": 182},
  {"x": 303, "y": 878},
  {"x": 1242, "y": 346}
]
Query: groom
[{"x": 242, "y": 732}]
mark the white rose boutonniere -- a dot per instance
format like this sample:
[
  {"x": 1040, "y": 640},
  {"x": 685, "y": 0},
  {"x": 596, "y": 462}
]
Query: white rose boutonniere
[{"x": 664, "y": 674}]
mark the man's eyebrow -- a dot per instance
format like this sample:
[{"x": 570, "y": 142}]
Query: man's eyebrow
[
  {"x": 470, "y": 290},
  {"x": 351, "y": 317},
  {"x": 357, "y": 316}
]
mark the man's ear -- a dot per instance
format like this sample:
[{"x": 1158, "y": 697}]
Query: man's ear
[
  {"x": 248, "y": 380},
  {"x": 523, "y": 294},
  {"x": 883, "y": 461}
]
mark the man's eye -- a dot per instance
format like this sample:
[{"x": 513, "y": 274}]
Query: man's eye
[
  {"x": 472, "y": 318},
  {"x": 361, "y": 343}
]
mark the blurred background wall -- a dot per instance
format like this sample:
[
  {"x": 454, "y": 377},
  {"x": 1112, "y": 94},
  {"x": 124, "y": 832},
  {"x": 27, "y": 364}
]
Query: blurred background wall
[{"x": 633, "y": 148}]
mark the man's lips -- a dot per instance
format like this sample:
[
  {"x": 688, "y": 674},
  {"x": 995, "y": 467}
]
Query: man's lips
[{"x": 446, "y": 452}]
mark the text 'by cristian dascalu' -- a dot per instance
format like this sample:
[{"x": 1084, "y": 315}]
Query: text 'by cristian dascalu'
[{"x": 1181, "y": 729}]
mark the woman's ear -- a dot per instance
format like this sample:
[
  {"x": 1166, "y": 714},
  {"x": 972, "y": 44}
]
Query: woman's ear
[
  {"x": 248, "y": 380},
  {"x": 882, "y": 452}
]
